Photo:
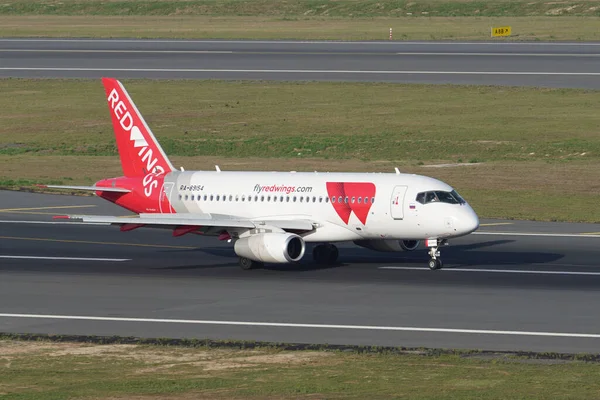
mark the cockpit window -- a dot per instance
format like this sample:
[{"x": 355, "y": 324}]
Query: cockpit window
[{"x": 440, "y": 196}]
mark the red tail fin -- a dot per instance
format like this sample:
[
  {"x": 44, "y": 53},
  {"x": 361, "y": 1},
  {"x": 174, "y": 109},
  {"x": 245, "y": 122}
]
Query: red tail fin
[{"x": 139, "y": 151}]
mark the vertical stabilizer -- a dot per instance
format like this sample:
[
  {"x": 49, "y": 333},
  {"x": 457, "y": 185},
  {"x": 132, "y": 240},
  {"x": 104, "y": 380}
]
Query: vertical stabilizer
[{"x": 138, "y": 148}]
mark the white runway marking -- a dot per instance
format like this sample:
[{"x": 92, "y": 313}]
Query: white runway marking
[
  {"x": 500, "y": 271},
  {"x": 403, "y": 53},
  {"x": 66, "y": 258},
  {"x": 570, "y": 235},
  {"x": 118, "y": 51},
  {"x": 314, "y": 326},
  {"x": 449, "y": 53},
  {"x": 300, "y": 71}
]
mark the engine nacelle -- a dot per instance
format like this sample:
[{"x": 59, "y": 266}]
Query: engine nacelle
[
  {"x": 388, "y": 245},
  {"x": 271, "y": 247}
]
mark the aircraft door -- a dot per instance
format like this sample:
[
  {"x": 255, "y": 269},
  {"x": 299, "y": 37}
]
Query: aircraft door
[
  {"x": 397, "y": 206},
  {"x": 164, "y": 202}
]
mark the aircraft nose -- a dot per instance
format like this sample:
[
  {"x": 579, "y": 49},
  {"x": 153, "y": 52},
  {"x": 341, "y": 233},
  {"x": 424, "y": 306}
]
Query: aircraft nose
[{"x": 469, "y": 222}]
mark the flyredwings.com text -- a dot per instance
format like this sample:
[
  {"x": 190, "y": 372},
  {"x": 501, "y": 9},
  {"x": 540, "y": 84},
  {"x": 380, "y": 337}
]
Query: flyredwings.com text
[{"x": 282, "y": 189}]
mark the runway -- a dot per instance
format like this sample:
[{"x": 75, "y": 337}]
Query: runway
[
  {"x": 542, "y": 64},
  {"x": 499, "y": 291}
]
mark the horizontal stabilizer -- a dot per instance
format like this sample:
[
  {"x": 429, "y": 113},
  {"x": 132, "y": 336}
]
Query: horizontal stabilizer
[{"x": 94, "y": 188}]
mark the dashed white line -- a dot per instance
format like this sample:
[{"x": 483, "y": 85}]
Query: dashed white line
[
  {"x": 498, "y": 271},
  {"x": 569, "y": 235},
  {"x": 299, "y": 325},
  {"x": 65, "y": 258}
]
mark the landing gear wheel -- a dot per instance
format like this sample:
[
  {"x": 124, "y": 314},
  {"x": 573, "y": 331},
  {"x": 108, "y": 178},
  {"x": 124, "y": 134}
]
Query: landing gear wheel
[
  {"x": 325, "y": 254},
  {"x": 246, "y": 263},
  {"x": 435, "y": 264}
]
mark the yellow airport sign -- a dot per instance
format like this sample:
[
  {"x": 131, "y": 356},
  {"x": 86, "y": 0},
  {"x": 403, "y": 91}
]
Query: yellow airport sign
[{"x": 501, "y": 31}]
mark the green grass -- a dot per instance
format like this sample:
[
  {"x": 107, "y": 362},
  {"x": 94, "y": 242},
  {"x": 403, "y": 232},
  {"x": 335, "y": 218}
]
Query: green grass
[
  {"x": 303, "y": 8},
  {"x": 35, "y": 370},
  {"x": 327, "y": 120},
  {"x": 549, "y": 28},
  {"x": 539, "y": 149},
  {"x": 298, "y": 19}
]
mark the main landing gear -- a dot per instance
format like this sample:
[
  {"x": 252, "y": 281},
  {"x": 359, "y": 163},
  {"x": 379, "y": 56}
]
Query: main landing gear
[
  {"x": 325, "y": 254},
  {"x": 435, "y": 262},
  {"x": 246, "y": 264}
]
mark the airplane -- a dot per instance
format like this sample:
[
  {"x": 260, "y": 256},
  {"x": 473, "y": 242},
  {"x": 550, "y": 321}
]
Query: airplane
[{"x": 270, "y": 216}]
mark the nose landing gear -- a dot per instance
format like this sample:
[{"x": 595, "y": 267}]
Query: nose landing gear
[{"x": 435, "y": 262}]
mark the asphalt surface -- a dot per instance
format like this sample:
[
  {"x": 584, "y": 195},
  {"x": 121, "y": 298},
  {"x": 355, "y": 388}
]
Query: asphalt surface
[
  {"x": 498, "y": 292},
  {"x": 574, "y": 65}
]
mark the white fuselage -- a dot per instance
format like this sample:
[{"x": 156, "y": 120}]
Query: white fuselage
[{"x": 345, "y": 206}]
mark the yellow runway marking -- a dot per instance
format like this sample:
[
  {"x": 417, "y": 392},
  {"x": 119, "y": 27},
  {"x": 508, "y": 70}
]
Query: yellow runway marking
[
  {"x": 90, "y": 242},
  {"x": 590, "y": 233},
  {"x": 497, "y": 224},
  {"x": 42, "y": 208}
]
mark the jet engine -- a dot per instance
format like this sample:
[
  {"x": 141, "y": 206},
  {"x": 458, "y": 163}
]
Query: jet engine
[
  {"x": 388, "y": 245},
  {"x": 271, "y": 247}
]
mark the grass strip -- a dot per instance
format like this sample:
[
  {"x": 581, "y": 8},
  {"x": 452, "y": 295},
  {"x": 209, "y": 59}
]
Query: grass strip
[
  {"x": 537, "y": 150},
  {"x": 302, "y": 8},
  {"x": 42, "y": 369},
  {"x": 370, "y": 122},
  {"x": 530, "y": 28}
]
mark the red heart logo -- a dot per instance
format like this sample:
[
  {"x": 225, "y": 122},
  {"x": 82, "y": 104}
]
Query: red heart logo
[
  {"x": 355, "y": 197},
  {"x": 335, "y": 190},
  {"x": 360, "y": 196}
]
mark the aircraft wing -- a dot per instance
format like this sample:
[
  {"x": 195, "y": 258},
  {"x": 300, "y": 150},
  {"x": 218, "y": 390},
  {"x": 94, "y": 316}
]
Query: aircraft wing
[{"x": 190, "y": 220}]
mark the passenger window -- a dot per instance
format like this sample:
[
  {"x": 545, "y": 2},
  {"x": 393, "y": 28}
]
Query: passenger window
[
  {"x": 366, "y": 200},
  {"x": 205, "y": 197},
  {"x": 372, "y": 200},
  {"x": 275, "y": 198},
  {"x": 243, "y": 197},
  {"x": 346, "y": 199},
  {"x": 326, "y": 199},
  {"x": 301, "y": 197},
  {"x": 255, "y": 198},
  {"x": 268, "y": 198},
  {"x": 180, "y": 196},
  {"x": 320, "y": 199},
  {"x": 186, "y": 197},
  {"x": 294, "y": 199},
  {"x": 230, "y": 197},
  {"x": 339, "y": 199},
  {"x": 262, "y": 198},
  {"x": 359, "y": 200},
  {"x": 352, "y": 201},
  {"x": 333, "y": 199},
  {"x": 314, "y": 199},
  {"x": 287, "y": 199},
  {"x": 281, "y": 199}
]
